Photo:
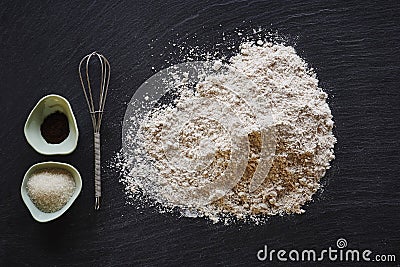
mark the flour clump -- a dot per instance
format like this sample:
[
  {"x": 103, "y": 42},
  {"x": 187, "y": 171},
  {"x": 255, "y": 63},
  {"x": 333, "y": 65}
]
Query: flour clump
[{"x": 252, "y": 138}]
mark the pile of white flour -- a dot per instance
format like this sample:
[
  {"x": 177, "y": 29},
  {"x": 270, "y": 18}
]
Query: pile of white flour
[{"x": 254, "y": 138}]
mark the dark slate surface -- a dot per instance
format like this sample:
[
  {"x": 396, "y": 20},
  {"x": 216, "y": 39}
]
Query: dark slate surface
[{"x": 354, "y": 48}]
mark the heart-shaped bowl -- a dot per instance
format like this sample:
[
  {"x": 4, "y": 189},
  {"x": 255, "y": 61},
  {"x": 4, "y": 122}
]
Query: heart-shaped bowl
[
  {"x": 36, "y": 213},
  {"x": 46, "y": 106}
]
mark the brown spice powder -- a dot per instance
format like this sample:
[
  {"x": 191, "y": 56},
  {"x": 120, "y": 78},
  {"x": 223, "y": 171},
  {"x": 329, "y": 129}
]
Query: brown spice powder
[{"x": 55, "y": 128}]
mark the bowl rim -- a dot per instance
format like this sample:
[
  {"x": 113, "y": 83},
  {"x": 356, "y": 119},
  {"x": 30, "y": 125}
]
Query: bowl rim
[
  {"x": 29, "y": 203},
  {"x": 75, "y": 126}
]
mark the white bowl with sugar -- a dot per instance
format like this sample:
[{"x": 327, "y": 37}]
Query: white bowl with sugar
[{"x": 49, "y": 189}]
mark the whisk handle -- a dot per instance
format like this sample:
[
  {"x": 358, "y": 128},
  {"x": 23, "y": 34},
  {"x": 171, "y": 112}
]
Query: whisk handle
[{"x": 97, "y": 171}]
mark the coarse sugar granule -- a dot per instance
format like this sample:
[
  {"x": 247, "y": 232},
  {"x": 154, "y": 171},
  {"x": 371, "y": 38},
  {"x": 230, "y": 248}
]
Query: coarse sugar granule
[
  {"x": 50, "y": 189},
  {"x": 175, "y": 159}
]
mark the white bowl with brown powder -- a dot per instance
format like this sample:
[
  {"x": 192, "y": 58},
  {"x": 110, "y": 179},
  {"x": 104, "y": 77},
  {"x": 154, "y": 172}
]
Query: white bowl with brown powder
[{"x": 49, "y": 189}]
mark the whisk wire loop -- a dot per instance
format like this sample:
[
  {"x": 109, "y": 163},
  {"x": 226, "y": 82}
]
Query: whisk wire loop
[{"x": 96, "y": 115}]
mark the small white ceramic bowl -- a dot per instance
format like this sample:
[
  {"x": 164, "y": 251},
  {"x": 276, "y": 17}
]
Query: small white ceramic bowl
[
  {"x": 47, "y": 105},
  {"x": 37, "y": 214}
]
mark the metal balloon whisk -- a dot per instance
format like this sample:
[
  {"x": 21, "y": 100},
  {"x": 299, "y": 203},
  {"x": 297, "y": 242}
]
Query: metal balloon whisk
[{"x": 96, "y": 113}]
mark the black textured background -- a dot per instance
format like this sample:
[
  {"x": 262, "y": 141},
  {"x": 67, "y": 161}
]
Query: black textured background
[{"x": 354, "y": 47}]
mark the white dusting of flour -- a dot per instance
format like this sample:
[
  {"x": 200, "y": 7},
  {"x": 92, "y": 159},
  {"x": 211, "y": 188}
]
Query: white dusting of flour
[{"x": 251, "y": 139}]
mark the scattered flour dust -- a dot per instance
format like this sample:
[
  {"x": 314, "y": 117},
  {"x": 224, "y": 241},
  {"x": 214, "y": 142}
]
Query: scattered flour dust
[{"x": 179, "y": 155}]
